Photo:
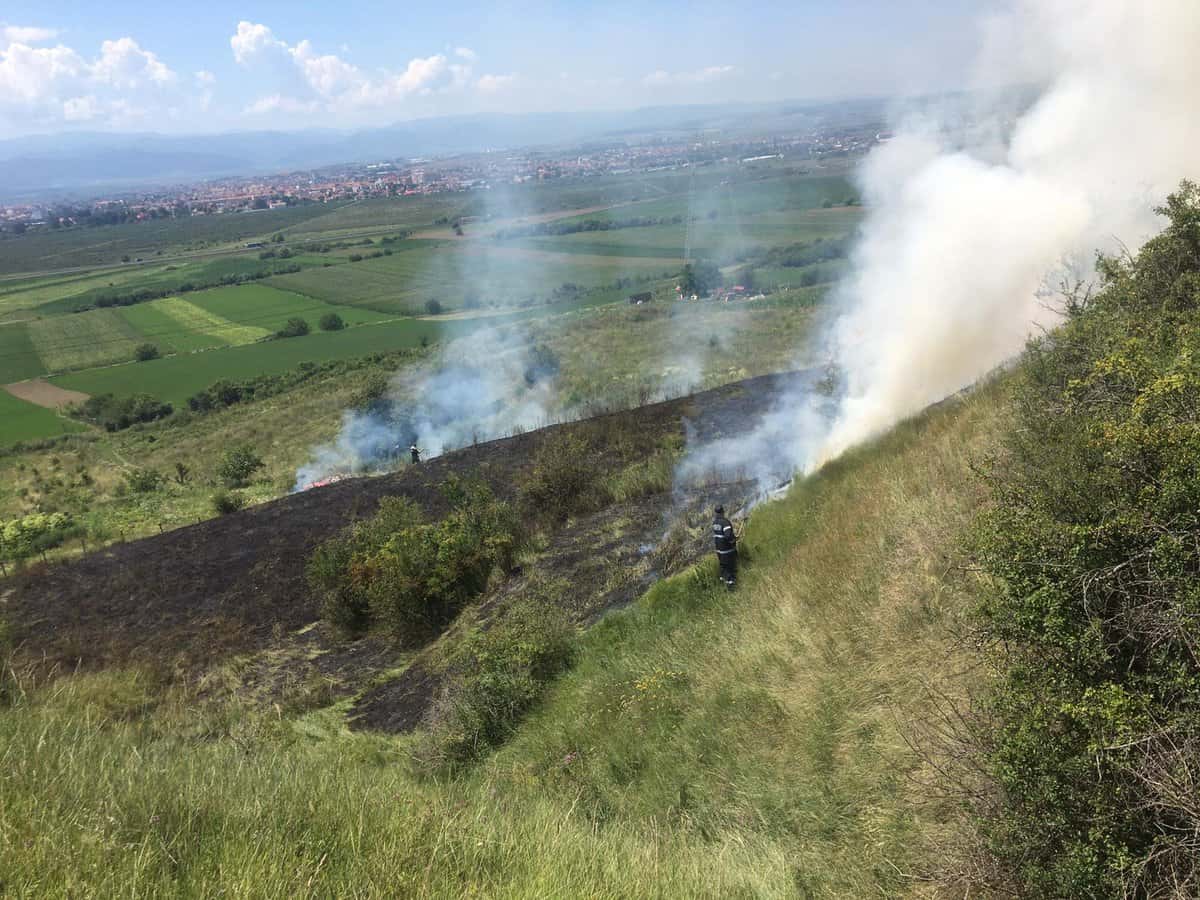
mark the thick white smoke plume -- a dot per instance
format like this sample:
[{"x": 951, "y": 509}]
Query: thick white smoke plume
[
  {"x": 960, "y": 239},
  {"x": 970, "y": 217}
]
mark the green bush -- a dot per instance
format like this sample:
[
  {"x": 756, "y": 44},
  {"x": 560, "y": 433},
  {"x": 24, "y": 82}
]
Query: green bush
[
  {"x": 563, "y": 482},
  {"x": 224, "y": 502},
  {"x": 146, "y": 352},
  {"x": 22, "y": 538},
  {"x": 144, "y": 481},
  {"x": 433, "y": 307},
  {"x": 499, "y": 674},
  {"x": 114, "y": 413},
  {"x": 410, "y": 576},
  {"x": 1093, "y": 545},
  {"x": 294, "y": 327},
  {"x": 237, "y": 465},
  {"x": 331, "y": 322}
]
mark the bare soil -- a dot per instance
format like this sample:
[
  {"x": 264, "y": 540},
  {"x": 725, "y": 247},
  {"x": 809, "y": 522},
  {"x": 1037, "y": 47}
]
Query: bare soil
[{"x": 43, "y": 393}]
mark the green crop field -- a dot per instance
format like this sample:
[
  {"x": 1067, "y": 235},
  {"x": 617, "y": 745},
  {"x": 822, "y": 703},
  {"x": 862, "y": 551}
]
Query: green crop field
[
  {"x": 24, "y": 421},
  {"x": 105, "y": 245},
  {"x": 264, "y": 307},
  {"x": 18, "y": 358},
  {"x": 191, "y": 318},
  {"x": 82, "y": 340},
  {"x": 159, "y": 327},
  {"x": 403, "y": 282},
  {"x": 178, "y": 377}
]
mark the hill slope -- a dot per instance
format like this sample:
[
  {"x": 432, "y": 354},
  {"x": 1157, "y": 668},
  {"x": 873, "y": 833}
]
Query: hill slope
[{"x": 705, "y": 744}]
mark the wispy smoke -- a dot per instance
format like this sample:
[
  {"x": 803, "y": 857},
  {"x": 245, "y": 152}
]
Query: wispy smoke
[
  {"x": 483, "y": 386},
  {"x": 969, "y": 216}
]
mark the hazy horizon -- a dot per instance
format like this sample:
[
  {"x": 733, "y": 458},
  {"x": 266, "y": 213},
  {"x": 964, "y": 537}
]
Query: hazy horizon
[{"x": 266, "y": 66}]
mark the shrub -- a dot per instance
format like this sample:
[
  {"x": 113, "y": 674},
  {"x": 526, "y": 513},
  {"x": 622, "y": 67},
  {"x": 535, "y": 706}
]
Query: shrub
[
  {"x": 35, "y": 533},
  {"x": 562, "y": 482},
  {"x": 543, "y": 364},
  {"x": 1093, "y": 545},
  {"x": 116, "y": 413},
  {"x": 146, "y": 352},
  {"x": 433, "y": 307},
  {"x": 224, "y": 502},
  {"x": 294, "y": 327},
  {"x": 331, "y": 322},
  {"x": 410, "y": 576},
  {"x": 499, "y": 675},
  {"x": 237, "y": 465},
  {"x": 144, "y": 481}
]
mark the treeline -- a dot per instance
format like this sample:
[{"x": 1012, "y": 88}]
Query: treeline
[
  {"x": 1090, "y": 741},
  {"x": 796, "y": 256},
  {"x": 114, "y": 413},
  {"x": 556, "y": 229},
  {"x": 142, "y": 295},
  {"x": 225, "y": 393}
]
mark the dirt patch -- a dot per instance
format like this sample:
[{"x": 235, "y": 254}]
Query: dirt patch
[{"x": 43, "y": 393}]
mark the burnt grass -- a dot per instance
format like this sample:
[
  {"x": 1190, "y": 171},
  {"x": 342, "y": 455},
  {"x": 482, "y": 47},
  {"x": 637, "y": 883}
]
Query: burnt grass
[{"x": 234, "y": 589}]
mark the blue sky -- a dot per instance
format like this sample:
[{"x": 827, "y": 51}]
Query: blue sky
[{"x": 221, "y": 65}]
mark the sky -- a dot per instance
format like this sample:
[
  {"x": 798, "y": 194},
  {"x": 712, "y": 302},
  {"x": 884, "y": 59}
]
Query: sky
[{"x": 120, "y": 65}]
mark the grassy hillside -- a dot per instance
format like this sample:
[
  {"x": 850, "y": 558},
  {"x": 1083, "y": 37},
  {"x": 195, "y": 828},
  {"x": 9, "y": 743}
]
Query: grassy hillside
[{"x": 705, "y": 744}]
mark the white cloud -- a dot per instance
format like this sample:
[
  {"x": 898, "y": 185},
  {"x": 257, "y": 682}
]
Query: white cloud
[
  {"x": 253, "y": 40},
  {"x": 27, "y": 34},
  {"x": 47, "y": 85},
  {"x": 126, "y": 66},
  {"x": 492, "y": 84},
  {"x": 663, "y": 78},
  {"x": 205, "y": 78},
  {"x": 304, "y": 79}
]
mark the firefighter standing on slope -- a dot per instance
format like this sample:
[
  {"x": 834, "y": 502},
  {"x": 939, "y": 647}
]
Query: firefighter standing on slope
[
  {"x": 726, "y": 546},
  {"x": 416, "y": 453}
]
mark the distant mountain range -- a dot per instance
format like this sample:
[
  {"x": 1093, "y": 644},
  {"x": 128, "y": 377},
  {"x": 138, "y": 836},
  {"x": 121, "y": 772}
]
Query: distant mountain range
[{"x": 82, "y": 163}]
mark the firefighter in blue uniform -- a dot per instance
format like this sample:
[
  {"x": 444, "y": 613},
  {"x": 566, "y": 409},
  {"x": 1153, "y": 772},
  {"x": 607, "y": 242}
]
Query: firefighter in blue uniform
[{"x": 726, "y": 546}]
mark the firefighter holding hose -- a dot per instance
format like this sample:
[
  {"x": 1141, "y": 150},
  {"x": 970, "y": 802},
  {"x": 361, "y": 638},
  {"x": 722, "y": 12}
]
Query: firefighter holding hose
[{"x": 725, "y": 541}]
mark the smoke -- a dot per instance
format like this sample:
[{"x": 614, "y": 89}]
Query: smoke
[
  {"x": 488, "y": 384},
  {"x": 971, "y": 216}
]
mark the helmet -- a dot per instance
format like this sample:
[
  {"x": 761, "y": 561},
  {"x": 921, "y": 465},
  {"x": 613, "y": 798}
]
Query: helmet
[{"x": 720, "y": 510}]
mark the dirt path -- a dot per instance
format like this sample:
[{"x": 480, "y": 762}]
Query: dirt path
[{"x": 43, "y": 393}]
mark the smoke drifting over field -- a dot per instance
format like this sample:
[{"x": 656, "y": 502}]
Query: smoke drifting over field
[
  {"x": 967, "y": 225},
  {"x": 483, "y": 386}
]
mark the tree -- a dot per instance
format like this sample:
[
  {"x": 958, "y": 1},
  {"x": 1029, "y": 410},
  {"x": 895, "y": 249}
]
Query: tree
[
  {"x": 331, "y": 322},
  {"x": 700, "y": 277},
  {"x": 237, "y": 465},
  {"x": 433, "y": 307},
  {"x": 146, "y": 352},
  {"x": 295, "y": 327}
]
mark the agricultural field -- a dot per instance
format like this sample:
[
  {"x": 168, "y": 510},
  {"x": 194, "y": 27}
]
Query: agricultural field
[
  {"x": 383, "y": 291},
  {"x": 25, "y": 421},
  {"x": 496, "y": 275},
  {"x": 175, "y": 378},
  {"x": 82, "y": 247},
  {"x": 95, "y": 338}
]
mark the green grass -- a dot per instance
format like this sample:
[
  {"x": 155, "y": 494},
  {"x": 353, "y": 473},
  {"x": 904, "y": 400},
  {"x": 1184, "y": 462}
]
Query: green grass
[
  {"x": 403, "y": 282},
  {"x": 177, "y": 378},
  {"x": 155, "y": 323},
  {"x": 22, "y": 421},
  {"x": 264, "y": 307},
  {"x": 82, "y": 340},
  {"x": 705, "y": 745},
  {"x": 18, "y": 358}
]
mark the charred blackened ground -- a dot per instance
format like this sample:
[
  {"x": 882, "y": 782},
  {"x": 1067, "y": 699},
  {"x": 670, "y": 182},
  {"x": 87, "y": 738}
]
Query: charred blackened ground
[{"x": 234, "y": 588}]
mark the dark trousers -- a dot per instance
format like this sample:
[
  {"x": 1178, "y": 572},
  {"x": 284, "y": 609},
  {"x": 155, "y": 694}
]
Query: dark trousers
[{"x": 728, "y": 564}]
